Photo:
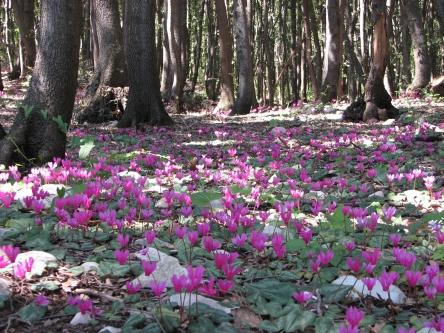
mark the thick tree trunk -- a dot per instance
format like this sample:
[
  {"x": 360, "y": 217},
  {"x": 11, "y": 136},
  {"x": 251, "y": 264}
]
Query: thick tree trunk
[
  {"x": 41, "y": 135},
  {"x": 378, "y": 101},
  {"x": 176, "y": 45},
  {"x": 421, "y": 54},
  {"x": 333, "y": 51},
  {"x": 406, "y": 44},
  {"x": 226, "y": 99},
  {"x": 24, "y": 17},
  {"x": 109, "y": 66},
  {"x": 246, "y": 95},
  {"x": 144, "y": 100}
]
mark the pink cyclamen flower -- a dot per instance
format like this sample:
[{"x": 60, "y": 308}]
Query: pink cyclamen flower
[
  {"x": 306, "y": 234},
  {"x": 41, "y": 300},
  {"x": 210, "y": 244},
  {"x": 350, "y": 246},
  {"x": 387, "y": 279},
  {"x": 225, "y": 285},
  {"x": 325, "y": 257},
  {"x": 389, "y": 213},
  {"x": 3, "y": 262},
  {"x": 179, "y": 282},
  {"x": 412, "y": 278},
  {"x": 193, "y": 237},
  {"x": 121, "y": 256},
  {"x": 150, "y": 236},
  {"x": 158, "y": 287},
  {"x": 258, "y": 240},
  {"x": 239, "y": 240},
  {"x": 302, "y": 297},
  {"x": 354, "y": 264},
  {"x": 10, "y": 251},
  {"x": 133, "y": 288},
  {"x": 354, "y": 316},
  {"x": 123, "y": 240},
  {"x": 148, "y": 267},
  {"x": 395, "y": 239},
  {"x": 369, "y": 282}
]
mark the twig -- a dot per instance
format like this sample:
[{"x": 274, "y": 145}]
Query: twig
[{"x": 97, "y": 294}]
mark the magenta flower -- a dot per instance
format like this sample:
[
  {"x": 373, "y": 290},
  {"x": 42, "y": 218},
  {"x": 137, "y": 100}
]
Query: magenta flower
[
  {"x": 354, "y": 264},
  {"x": 225, "y": 285},
  {"x": 158, "y": 287},
  {"x": 406, "y": 259},
  {"x": 369, "y": 282},
  {"x": 302, "y": 297},
  {"x": 395, "y": 239},
  {"x": 11, "y": 252},
  {"x": 85, "y": 306},
  {"x": 179, "y": 282},
  {"x": 210, "y": 244},
  {"x": 133, "y": 288},
  {"x": 406, "y": 330},
  {"x": 121, "y": 256},
  {"x": 258, "y": 240},
  {"x": 371, "y": 257},
  {"x": 432, "y": 270},
  {"x": 123, "y": 240},
  {"x": 350, "y": 246},
  {"x": 193, "y": 237},
  {"x": 353, "y": 316},
  {"x": 194, "y": 277},
  {"x": 239, "y": 240},
  {"x": 387, "y": 279},
  {"x": 150, "y": 236},
  {"x": 306, "y": 234},
  {"x": 325, "y": 257},
  {"x": 412, "y": 278},
  {"x": 3, "y": 262},
  {"x": 41, "y": 300},
  {"x": 438, "y": 282},
  {"x": 148, "y": 267},
  {"x": 389, "y": 213},
  {"x": 181, "y": 232}
]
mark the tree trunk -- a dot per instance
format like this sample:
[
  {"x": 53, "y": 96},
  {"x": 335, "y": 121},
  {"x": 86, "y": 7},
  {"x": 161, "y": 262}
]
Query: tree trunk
[
  {"x": 406, "y": 42},
  {"x": 378, "y": 101},
  {"x": 86, "y": 32},
  {"x": 109, "y": 67},
  {"x": 144, "y": 99},
  {"x": 309, "y": 55},
  {"x": 295, "y": 50},
  {"x": 421, "y": 54},
  {"x": 226, "y": 99},
  {"x": 211, "y": 70},
  {"x": 439, "y": 9},
  {"x": 41, "y": 134},
  {"x": 246, "y": 96},
  {"x": 389, "y": 78},
  {"x": 198, "y": 47},
  {"x": 363, "y": 36},
  {"x": 332, "y": 53},
  {"x": 166, "y": 86},
  {"x": 176, "y": 45},
  {"x": 24, "y": 17}
]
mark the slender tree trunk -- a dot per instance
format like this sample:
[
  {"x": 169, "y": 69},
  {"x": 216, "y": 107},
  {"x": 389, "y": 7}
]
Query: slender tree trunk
[
  {"x": 86, "y": 32},
  {"x": 166, "y": 86},
  {"x": 363, "y": 35},
  {"x": 226, "y": 99},
  {"x": 211, "y": 70},
  {"x": 144, "y": 99},
  {"x": 439, "y": 10},
  {"x": 41, "y": 135},
  {"x": 420, "y": 51},
  {"x": 332, "y": 54},
  {"x": 7, "y": 32},
  {"x": 378, "y": 101},
  {"x": 295, "y": 50},
  {"x": 269, "y": 52},
  {"x": 246, "y": 96},
  {"x": 389, "y": 78},
  {"x": 176, "y": 44},
  {"x": 198, "y": 47},
  {"x": 406, "y": 43},
  {"x": 24, "y": 17},
  {"x": 310, "y": 64}
]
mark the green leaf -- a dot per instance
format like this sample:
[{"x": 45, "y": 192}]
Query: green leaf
[
  {"x": 112, "y": 269},
  {"x": 439, "y": 253},
  {"x": 48, "y": 285},
  {"x": 334, "y": 293},
  {"x": 63, "y": 127},
  {"x": 86, "y": 147},
  {"x": 32, "y": 312},
  {"x": 296, "y": 321},
  {"x": 338, "y": 220},
  {"x": 268, "y": 326},
  {"x": 271, "y": 290},
  {"x": 202, "y": 325},
  {"x": 203, "y": 199},
  {"x": 325, "y": 325},
  {"x": 295, "y": 245}
]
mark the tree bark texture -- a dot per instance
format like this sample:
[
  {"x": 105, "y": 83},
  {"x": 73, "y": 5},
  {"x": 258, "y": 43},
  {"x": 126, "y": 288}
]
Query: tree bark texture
[
  {"x": 24, "y": 17},
  {"x": 40, "y": 135},
  {"x": 144, "y": 100}
]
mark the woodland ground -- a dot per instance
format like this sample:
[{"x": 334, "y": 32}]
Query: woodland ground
[{"x": 256, "y": 157}]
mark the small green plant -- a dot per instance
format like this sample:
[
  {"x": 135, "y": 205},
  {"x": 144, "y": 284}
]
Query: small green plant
[
  {"x": 27, "y": 110},
  {"x": 63, "y": 127}
]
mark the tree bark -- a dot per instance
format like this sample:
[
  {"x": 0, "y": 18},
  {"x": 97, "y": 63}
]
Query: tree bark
[
  {"x": 246, "y": 95},
  {"x": 211, "y": 70},
  {"x": 198, "y": 47},
  {"x": 144, "y": 99},
  {"x": 333, "y": 51},
  {"x": 52, "y": 89},
  {"x": 309, "y": 57},
  {"x": 420, "y": 51},
  {"x": 226, "y": 99},
  {"x": 24, "y": 17},
  {"x": 109, "y": 66},
  {"x": 176, "y": 44},
  {"x": 378, "y": 101},
  {"x": 166, "y": 86}
]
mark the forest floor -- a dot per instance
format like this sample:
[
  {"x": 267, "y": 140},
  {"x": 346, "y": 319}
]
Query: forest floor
[{"x": 288, "y": 216}]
